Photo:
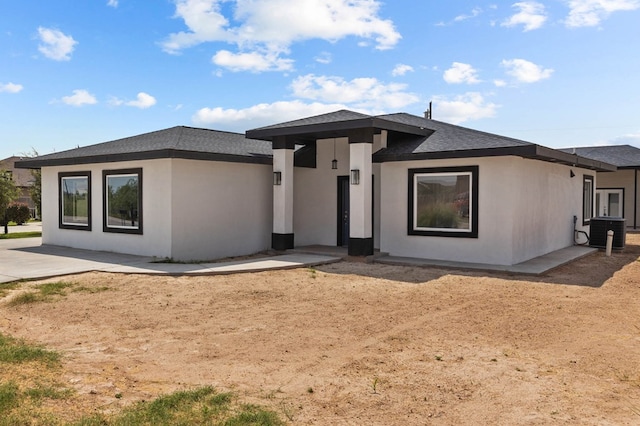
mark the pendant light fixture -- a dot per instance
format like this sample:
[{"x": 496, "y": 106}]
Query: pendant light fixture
[{"x": 334, "y": 162}]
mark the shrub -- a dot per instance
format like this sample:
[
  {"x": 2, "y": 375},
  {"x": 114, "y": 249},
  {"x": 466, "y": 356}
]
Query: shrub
[
  {"x": 18, "y": 213},
  {"x": 438, "y": 216}
]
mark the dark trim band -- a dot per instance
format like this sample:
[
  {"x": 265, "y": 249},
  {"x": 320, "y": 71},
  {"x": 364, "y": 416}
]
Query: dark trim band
[
  {"x": 360, "y": 246},
  {"x": 281, "y": 241}
]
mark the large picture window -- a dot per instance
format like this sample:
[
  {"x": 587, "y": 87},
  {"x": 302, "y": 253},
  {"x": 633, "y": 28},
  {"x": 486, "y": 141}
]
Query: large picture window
[
  {"x": 444, "y": 202},
  {"x": 123, "y": 201},
  {"x": 587, "y": 199},
  {"x": 74, "y": 189}
]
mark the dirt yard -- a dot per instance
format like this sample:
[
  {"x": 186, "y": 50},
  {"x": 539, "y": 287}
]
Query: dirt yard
[{"x": 355, "y": 343}]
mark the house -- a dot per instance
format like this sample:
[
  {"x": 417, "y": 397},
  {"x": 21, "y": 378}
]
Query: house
[
  {"x": 616, "y": 192},
  {"x": 397, "y": 183},
  {"x": 23, "y": 181}
]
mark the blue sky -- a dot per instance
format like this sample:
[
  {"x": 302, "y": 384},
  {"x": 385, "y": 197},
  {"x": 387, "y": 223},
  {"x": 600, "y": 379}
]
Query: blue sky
[{"x": 554, "y": 72}]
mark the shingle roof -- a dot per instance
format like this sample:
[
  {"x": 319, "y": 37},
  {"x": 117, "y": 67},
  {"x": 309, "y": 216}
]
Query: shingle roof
[
  {"x": 623, "y": 156},
  {"x": 175, "y": 142},
  {"x": 447, "y": 137},
  {"x": 332, "y": 117}
]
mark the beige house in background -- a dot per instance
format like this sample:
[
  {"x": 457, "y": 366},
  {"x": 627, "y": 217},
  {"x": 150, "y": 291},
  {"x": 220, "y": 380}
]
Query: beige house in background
[
  {"x": 22, "y": 179},
  {"x": 617, "y": 192},
  {"x": 399, "y": 184}
]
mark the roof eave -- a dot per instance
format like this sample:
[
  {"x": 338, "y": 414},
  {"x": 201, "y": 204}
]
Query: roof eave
[
  {"x": 338, "y": 128},
  {"x": 257, "y": 158}
]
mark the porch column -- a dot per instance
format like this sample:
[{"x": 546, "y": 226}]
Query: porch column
[
  {"x": 360, "y": 193},
  {"x": 282, "y": 236}
]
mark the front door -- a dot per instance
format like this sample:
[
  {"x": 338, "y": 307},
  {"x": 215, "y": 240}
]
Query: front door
[
  {"x": 343, "y": 211},
  {"x": 609, "y": 202}
]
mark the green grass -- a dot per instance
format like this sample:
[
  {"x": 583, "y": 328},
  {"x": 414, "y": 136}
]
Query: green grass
[
  {"x": 24, "y": 395},
  {"x": 15, "y": 351},
  {"x": 202, "y": 406},
  {"x": 15, "y": 235},
  {"x": 6, "y": 287},
  {"x": 44, "y": 292}
]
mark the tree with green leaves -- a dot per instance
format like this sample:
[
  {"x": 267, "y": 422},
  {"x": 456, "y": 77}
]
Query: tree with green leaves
[
  {"x": 35, "y": 190},
  {"x": 8, "y": 193}
]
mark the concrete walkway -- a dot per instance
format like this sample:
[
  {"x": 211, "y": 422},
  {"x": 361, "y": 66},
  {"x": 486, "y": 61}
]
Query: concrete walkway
[{"x": 26, "y": 258}]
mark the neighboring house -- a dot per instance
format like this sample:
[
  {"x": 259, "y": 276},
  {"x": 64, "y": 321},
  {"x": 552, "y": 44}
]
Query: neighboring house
[
  {"x": 398, "y": 183},
  {"x": 617, "y": 192},
  {"x": 23, "y": 181}
]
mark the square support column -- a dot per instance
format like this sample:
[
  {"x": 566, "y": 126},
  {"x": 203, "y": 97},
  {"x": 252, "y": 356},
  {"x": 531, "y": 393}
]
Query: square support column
[
  {"x": 360, "y": 199},
  {"x": 282, "y": 236}
]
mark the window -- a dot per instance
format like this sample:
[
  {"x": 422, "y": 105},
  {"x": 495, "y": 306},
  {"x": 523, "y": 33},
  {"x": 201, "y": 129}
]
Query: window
[
  {"x": 444, "y": 202},
  {"x": 587, "y": 199},
  {"x": 74, "y": 189},
  {"x": 122, "y": 201}
]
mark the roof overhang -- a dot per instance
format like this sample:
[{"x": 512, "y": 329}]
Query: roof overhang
[
  {"x": 532, "y": 151},
  {"x": 144, "y": 155},
  {"x": 312, "y": 132}
]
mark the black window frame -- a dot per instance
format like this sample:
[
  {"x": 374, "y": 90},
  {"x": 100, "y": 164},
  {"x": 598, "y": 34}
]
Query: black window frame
[
  {"x": 585, "y": 179},
  {"x": 77, "y": 227},
  {"x": 474, "y": 194},
  {"x": 105, "y": 202}
]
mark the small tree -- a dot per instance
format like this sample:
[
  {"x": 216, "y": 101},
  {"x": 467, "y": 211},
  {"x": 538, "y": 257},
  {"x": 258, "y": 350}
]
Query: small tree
[
  {"x": 18, "y": 213},
  {"x": 8, "y": 193},
  {"x": 35, "y": 190}
]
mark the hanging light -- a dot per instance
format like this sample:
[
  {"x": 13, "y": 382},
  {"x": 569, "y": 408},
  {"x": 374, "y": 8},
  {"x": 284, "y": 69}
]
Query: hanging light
[{"x": 334, "y": 162}]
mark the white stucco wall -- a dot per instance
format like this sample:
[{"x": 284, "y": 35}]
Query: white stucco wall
[
  {"x": 526, "y": 209},
  {"x": 156, "y": 210},
  {"x": 622, "y": 179},
  {"x": 220, "y": 209},
  {"x": 316, "y": 196}
]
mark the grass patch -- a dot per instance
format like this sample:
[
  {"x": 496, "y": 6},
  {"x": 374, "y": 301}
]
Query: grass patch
[
  {"x": 15, "y": 235},
  {"x": 43, "y": 293},
  {"x": 5, "y": 288},
  {"x": 14, "y": 351},
  {"x": 202, "y": 406}
]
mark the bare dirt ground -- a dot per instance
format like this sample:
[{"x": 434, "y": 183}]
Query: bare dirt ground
[{"x": 355, "y": 343}]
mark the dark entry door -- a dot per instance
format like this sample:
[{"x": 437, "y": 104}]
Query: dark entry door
[{"x": 343, "y": 211}]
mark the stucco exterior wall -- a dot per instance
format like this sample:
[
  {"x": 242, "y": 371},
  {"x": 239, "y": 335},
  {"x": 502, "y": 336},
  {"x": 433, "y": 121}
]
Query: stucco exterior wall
[
  {"x": 156, "y": 208},
  {"x": 220, "y": 209},
  {"x": 622, "y": 179},
  {"x": 316, "y": 196},
  {"x": 525, "y": 209}
]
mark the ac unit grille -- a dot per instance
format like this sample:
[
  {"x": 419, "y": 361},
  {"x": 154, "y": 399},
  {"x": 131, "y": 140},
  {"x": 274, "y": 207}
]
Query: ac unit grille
[{"x": 598, "y": 228}]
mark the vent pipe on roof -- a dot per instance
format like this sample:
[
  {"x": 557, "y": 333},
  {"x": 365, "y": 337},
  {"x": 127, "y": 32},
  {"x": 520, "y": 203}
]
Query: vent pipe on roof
[{"x": 427, "y": 113}]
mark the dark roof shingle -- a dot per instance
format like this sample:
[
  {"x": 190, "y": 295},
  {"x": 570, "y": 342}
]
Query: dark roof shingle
[{"x": 622, "y": 156}]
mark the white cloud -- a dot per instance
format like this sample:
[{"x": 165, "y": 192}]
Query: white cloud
[
  {"x": 461, "y": 73},
  {"x": 10, "y": 88},
  {"x": 499, "y": 83},
  {"x": 112, "y": 3},
  {"x": 79, "y": 98},
  {"x": 272, "y": 26},
  {"x": 324, "y": 58},
  {"x": 253, "y": 61},
  {"x": 261, "y": 114},
  {"x": 628, "y": 139},
  {"x": 589, "y": 13},
  {"x": 55, "y": 44},
  {"x": 524, "y": 71},
  {"x": 401, "y": 69},
  {"x": 475, "y": 12},
  {"x": 531, "y": 15},
  {"x": 142, "y": 101},
  {"x": 363, "y": 93},
  {"x": 461, "y": 108}
]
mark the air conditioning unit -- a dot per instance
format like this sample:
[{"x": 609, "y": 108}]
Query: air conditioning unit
[{"x": 598, "y": 228}]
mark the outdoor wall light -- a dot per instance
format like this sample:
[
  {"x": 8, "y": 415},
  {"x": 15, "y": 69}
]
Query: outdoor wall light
[
  {"x": 355, "y": 177},
  {"x": 334, "y": 162},
  {"x": 571, "y": 174},
  {"x": 277, "y": 178}
]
